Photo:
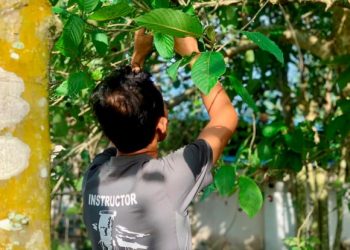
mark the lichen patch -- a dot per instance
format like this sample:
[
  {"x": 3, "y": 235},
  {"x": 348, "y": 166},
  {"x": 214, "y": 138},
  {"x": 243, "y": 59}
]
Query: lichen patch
[
  {"x": 14, "y": 156},
  {"x": 12, "y": 107},
  {"x": 10, "y": 84}
]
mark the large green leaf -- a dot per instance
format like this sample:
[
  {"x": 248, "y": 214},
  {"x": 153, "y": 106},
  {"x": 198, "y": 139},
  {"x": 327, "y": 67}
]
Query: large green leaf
[
  {"x": 225, "y": 179},
  {"x": 87, "y": 5},
  {"x": 266, "y": 44},
  {"x": 66, "y": 47},
  {"x": 74, "y": 30},
  {"x": 111, "y": 12},
  {"x": 338, "y": 124},
  {"x": 100, "y": 41},
  {"x": 207, "y": 69},
  {"x": 171, "y": 22},
  {"x": 77, "y": 82},
  {"x": 249, "y": 196},
  {"x": 164, "y": 45},
  {"x": 344, "y": 78},
  {"x": 160, "y": 4},
  {"x": 242, "y": 92}
]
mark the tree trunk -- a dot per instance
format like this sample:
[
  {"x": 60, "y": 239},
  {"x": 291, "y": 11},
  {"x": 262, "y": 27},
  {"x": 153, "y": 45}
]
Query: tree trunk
[{"x": 24, "y": 130}]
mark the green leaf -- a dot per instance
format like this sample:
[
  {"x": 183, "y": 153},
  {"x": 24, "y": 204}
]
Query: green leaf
[
  {"x": 164, "y": 45},
  {"x": 265, "y": 151},
  {"x": 66, "y": 48},
  {"x": 344, "y": 78},
  {"x": 58, "y": 10},
  {"x": 338, "y": 124},
  {"x": 207, "y": 69},
  {"x": 287, "y": 159},
  {"x": 273, "y": 129},
  {"x": 344, "y": 105},
  {"x": 71, "y": 38},
  {"x": 87, "y": 5},
  {"x": 225, "y": 179},
  {"x": 249, "y": 196},
  {"x": 111, "y": 12},
  {"x": 62, "y": 90},
  {"x": 242, "y": 92},
  {"x": 100, "y": 41},
  {"x": 172, "y": 70},
  {"x": 208, "y": 191},
  {"x": 53, "y": 2},
  {"x": 265, "y": 43},
  {"x": 295, "y": 140},
  {"x": 160, "y": 4},
  {"x": 171, "y": 22},
  {"x": 73, "y": 30},
  {"x": 189, "y": 9},
  {"x": 77, "y": 82},
  {"x": 72, "y": 211}
]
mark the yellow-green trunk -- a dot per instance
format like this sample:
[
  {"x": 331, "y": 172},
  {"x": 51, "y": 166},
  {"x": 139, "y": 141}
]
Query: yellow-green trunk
[{"x": 24, "y": 184}]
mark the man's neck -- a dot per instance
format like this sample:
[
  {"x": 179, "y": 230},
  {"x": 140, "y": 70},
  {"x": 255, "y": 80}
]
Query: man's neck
[
  {"x": 152, "y": 153},
  {"x": 151, "y": 150}
]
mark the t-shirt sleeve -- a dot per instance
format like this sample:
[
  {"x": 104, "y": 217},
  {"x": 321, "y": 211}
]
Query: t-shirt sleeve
[{"x": 187, "y": 171}]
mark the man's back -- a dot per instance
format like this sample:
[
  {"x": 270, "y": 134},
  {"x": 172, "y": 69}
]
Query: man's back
[{"x": 137, "y": 202}]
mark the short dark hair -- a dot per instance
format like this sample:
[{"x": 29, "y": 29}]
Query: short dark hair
[{"x": 128, "y": 107}]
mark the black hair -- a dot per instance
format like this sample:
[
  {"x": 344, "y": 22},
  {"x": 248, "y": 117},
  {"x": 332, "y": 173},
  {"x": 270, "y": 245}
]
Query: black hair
[{"x": 128, "y": 107}]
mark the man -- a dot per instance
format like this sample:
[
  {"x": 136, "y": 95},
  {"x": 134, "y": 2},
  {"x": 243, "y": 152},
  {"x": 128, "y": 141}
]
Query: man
[{"x": 133, "y": 199}]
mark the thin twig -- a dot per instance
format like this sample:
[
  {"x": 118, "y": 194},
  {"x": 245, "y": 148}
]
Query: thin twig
[
  {"x": 245, "y": 26},
  {"x": 300, "y": 54},
  {"x": 255, "y": 16},
  {"x": 253, "y": 136},
  {"x": 214, "y": 3},
  {"x": 303, "y": 225}
]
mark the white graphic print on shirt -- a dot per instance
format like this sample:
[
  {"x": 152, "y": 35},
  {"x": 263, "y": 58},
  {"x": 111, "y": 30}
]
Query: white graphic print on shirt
[{"x": 122, "y": 238}]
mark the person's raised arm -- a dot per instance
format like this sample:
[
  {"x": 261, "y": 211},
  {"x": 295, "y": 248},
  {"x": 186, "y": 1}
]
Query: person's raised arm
[
  {"x": 143, "y": 44},
  {"x": 223, "y": 117}
]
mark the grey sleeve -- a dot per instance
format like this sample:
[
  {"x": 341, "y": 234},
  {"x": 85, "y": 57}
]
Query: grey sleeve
[{"x": 187, "y": 171}]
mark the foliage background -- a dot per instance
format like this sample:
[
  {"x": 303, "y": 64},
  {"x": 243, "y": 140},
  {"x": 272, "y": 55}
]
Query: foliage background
[{"x": 294, "y": 110}]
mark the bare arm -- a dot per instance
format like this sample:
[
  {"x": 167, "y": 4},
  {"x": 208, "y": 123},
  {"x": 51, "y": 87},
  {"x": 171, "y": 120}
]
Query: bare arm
[
  {"x": 223, "y": 117},
  {"x": 143, "y": 44}
]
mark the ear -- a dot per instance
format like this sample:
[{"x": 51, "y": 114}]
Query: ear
[{"x": 161, "y": 129}]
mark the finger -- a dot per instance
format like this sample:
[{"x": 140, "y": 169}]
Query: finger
[{"x": 140, "y": 32}]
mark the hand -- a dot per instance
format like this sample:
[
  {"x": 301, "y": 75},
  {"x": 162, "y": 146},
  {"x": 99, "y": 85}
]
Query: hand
[
  {"x": 186, "y": 46},
  {"x": 143, "y": 45}
]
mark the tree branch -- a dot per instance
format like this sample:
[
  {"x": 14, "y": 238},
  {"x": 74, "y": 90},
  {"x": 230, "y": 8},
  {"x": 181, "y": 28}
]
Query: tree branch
[
  {"x": 216, "y": 3},
  {"x": 328, "y": 3}
]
